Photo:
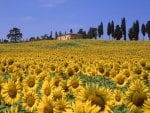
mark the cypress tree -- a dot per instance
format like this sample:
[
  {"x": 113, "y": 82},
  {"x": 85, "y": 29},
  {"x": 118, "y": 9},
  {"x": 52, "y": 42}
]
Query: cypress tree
[
  {"x": 109, "y": 29},
  {"x": 148, "y": 29},
  {"x": 100, "y": 30},
  {"x": 118, "y": 33},
  {"x": 112, "y": 29},
  {"x": 123, "y": 27},
  {"x": 143, "y": 30}
]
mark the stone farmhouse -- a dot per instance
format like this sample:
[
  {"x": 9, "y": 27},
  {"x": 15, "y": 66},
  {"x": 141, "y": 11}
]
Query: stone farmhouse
[{"x": 70, "y": 36}]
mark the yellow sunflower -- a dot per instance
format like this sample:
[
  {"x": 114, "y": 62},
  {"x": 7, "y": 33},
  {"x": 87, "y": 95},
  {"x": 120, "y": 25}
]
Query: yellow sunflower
[
  {"x": 125, "y": 65},
  {"x": 120, "y": 80},
  {"x": 43, "y": 75},
  {"x": 118, "y": 95},
  {"x": 56, "y": 80},
  {"x": 64, "y": 86},
  {"x": 57, "y": 93},
  {"x": 136, "y": 96},
  {"x": 99, "y": 96},
  {"x": 83, "y": 107},
  {"x": 69, "y": 72},
  {"x": 144, "y": 75},
  {"x": 52, "y": 68},
  {"x": 113, "y": 73},
  {"x": 30, "y": 83},
  {"x": 46, "y": 88},
  {"x": 142, "y": 62},
  {"x": 146, "y": 107},
  {"x": 1, "y": 82},
  {"x": 30, "y": 101},
  {"x": 11, "y": 92},
  {"x": 74, "y": 82},
  {"x": 76, "y": 68},
  {"x": 46, "y": 106},
  {"x": 100, "y": 70},
  {"x": 147, "y": 66},
  {"x": 126, "y": 72},
  {"x": 61, "y": 105}
]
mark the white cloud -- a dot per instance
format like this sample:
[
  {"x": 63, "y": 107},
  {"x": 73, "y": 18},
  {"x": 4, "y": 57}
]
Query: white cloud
[{"x": 51, "y": 3}]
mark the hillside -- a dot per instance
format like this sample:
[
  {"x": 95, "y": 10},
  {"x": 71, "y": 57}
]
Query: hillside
[
  {"x": 104, "y": 49},
  {"x": 75, "y": 75}
]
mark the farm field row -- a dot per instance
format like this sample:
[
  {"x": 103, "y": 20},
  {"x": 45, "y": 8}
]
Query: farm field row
[{"x": 75, "y": 76}]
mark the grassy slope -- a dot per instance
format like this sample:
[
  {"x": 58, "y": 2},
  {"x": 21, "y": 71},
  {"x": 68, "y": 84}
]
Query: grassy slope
[{"x": 109, "y": 48}]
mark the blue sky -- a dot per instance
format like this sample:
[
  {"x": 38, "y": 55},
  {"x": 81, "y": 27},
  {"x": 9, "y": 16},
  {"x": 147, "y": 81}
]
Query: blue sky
[{"x": 38, "y": 17}]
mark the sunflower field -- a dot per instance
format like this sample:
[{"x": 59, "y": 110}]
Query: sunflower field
[{"x": 75, "y": 76}]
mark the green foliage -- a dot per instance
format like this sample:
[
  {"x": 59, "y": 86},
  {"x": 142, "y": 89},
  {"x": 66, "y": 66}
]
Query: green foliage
[
  {"x": 123, "y": 27},
  {"x": 14, "y": 35},
  {"x": 121, "y": 109},
  {"x": 99, "y": 80},
  {"x": 118, "y": 33},
  {"x": 148, "y": 29}
]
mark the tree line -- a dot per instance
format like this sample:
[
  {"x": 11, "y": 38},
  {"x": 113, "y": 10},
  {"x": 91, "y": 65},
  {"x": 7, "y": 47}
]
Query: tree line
[{"x": 116, "y": 32}]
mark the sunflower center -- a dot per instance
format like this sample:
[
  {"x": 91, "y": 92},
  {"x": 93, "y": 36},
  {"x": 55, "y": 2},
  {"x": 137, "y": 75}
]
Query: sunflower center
[
  {"x": 12, "y": 91},
  {"x": 75, "y": 84},
  {"x": 107, "y": 73},
  {"x": 98, "y": 100},
  {"x": 57, "y": 96},
  {"x": 56, "y": 83},
  {"x": 48, "y": 109},
  {"x": 101, "y": 70},
  {"x": 138, "y": 98},
  {"x": 126, "y": 73},
  {"x": 61, "y": 107},
  {"x": 118, "y": 98},
  {"x": 76, "y": 69},
  {"x": 30, "y": 101},
  {"x": 31, "y": 82},
  {"x": 52, "y": 68},
  {"x": 47, "y": 91},
  {"x": 70, "y": 72},
  {"x": 145, "y": 76},
  {"x": 120, "y": 81}
]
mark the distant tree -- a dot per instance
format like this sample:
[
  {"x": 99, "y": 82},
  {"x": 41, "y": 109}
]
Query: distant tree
[
  {"x": 60, "y": 33},
  {"x": 71, "y": 31},
  {"x": 143, "y": 30},
  {"x": 100, "y": 30},
  {"x": 32, "y": 39},
  {"x": 80, "y": 31},
  {"x": 123, "y": 27},
  {"x": 92, "y": 33},
  {"x": 89, "y": 34},
  {"x": 148, "y": 29},
  {"x": 109, "y": 29},
  {"x": 136, "y": 29},
  {"x": 118, "y": 33},
  {"x": 56, "y": 35},
  {"x": 65, "y": 32},
  {"x": 112, "y": 29},
  {"x": 14, "y": 34},
  {"x": 45, "y": 36},
  {"x": 51, "y": 35},
  {"x": 37, "y": 38},
  {"x": 5, "y": 41},
  {"x": 131, "y": 34},
  {"x": 83, "y": 33}
]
